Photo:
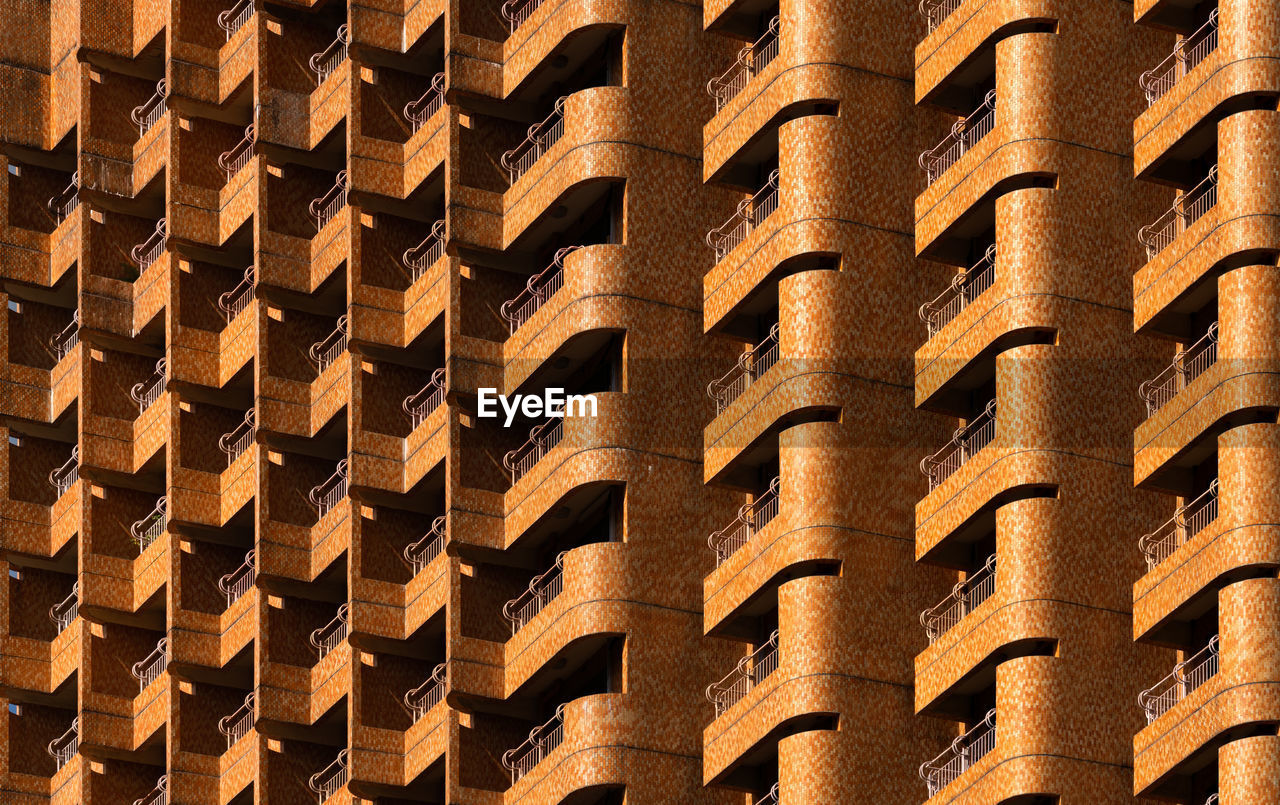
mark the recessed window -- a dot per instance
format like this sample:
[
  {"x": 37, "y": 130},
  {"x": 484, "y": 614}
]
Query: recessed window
[
  {"x": 14, "y": 574},
  {"x": 15, "y": 441},
  {"x": 15, "y": 709},
  {"x": 15, "y": 306},
  {"x": 15, "y": 170}
]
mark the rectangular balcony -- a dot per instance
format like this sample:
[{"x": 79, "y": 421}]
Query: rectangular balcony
[
  {"x": 749, "y": 215},
  {"x": 964, "y": 135},
  {"x": 752, "y": 517},
  {"x": 751, "y": 366},
  {"x": 1184, "y": 58},
  {"x": 750, "y": 671},
  {"x": 1181, "y": 682},
  {"x": 965, "y": 597},
  {"x": 968, "y": 441},
  {"x": 967, "y": 286},
  {"x": 1186, "y": 210},
  {"x": 751, "y": 61},
  {"x": 1190, "y": 519},
  {"x": 541, "y": 137},
  {"x": 964, "y": 751},
  {"x": 1187, "y": 365}
]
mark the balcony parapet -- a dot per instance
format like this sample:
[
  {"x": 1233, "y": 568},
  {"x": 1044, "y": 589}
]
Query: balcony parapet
[
  {"x": 966, "y": 286},
  {"x": 968, "y": 441},
  {"x": 330, "y": 636},
  {"x": 1189, "y": 520},
  {"x": 239, "y": 581},
  {"x": 750, "y": 671},
  {"x": 65, "y": 746},
  {"x": 238, "y": 724},
  {"x": 1187, "y": 365},
  {"x": 1182, "y": 681},
  {"x": 964, "y": 135},
  {"x": 1184, "y": 58},
  {"x": 420, "y": 553},
  {"x": 239, "y": 439},
  {"x": 965, "y": 597},
  {"x": 234, "y": 18},
  {"x": 326, "y": 494},
  {"x": 964, "y": 751},
  {"x": 149, "y": 390},
  {"x": 750, "y": 214},
  {"x": 324, "y": 63},
  {"x": 540, "y": 287},
  {"x": 542, "y": 741},
  {"x": 149, "y": 528},
  {"x": 420, "y": 111},
  {"x": 752, "y": 518},
  {"x": 538, "y": 140},
  {"x": 542, "y": 590},
  {"x": 750, "y": 62},
  {"x": 751, "y": 366},
  {"x": 516, "y": 12},
  {"x": 149, "y": 250},
  {"x": 421, "y": 699},
  {"x": 542, "y": 439},
  {"x": 150, "y": 667},
  {"x": 147, "y": 114},
  {"x": 1186, "y": 210},
  {"x": 329, "y": 780}
]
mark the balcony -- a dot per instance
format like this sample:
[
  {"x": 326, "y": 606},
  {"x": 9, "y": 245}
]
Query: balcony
[
  {"x": 1186, "y": 676},
  {"x": 239, "y": 581},
  {"x": 149, "y": 528},
  {"x": 965, "y": 597},
  {"x": 749, "y": 215},
  {"x": 65, "y": 340},
  {"x": 516, "y": 12},
  {"x": 234, "y": 159},
  {"x": 233, "y": 302},
  {"x": 751, "y": 61},
  {"x": 62, "y": 205},
  {"x": 1187, "y": 365},
  {"x": 423, "y": 551},
  {"x": 329, "y": 780},
  {"x": 324, "y": 209},
  {"x": 149, "y": 390},
  {"x": 964, "y": 751},
  {"x": 326, "y": 494},
  {"x": 1186, "y": 210},
  {"x": 423, "y": 109},
  {"x": 936, "y": 11},
  {"x": 1190, "y": 519},
  {"x": 238, "y": 724},
  {"x": 148, "y": 113},
  {"x": 149, "y": 250},
  {"x": 750, "y": 671},
  {"x": 239, "y": 439},
  {"x": 542, "y": 439},
  {"x": 542, "y": 741},
  {"x": 1186, "y": 55},
  {"x": 324, "y": 63},
  {"x": 64, "y": 477},
  {"x": 420, "y": 405},
  {"x": 540, "y": 287},
  {"x": 157, "y": 796},
  {"x": 751, "y": 366},
  {"x": 425, "y": 254},
  {"x": 234, "y": 18},
  {"x": 64, "y": 747},
  {"x": 421, "y": 699},
  {"x": 542, "y": 590},
  {"x": 752, "y": 518},
  {"x": 330, "y": 636},
  {"x": 325, "y": 351},
  {"x": 968, "y": 441},
  {"x": 66, "y": 610},
  {"x": 149, "y": 668},
  {"x": 967, "y": 286},
  {"x": 539, "y": 140},
  {"x": 964, "y": 135}
]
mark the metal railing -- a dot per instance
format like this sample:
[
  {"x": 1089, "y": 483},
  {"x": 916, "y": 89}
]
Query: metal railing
[
  {"x": 965, "y": 597},
  {"x": 421, "y": 699},
  {"x": 1190, "y": 519},
  {"x": 966, "y": 286},
  {"x": 751, "y": 518},
  {"x": 1181, "y": 682},
  {"x": 158, "y": 796},
  {"x": 1188, "y": 208},
  {"x": 421, "y": 257},
  {"x": 64, "y": 747},
  {"x": 325, "y": 351},
  {"x": 935, "y": 11},
  {"x": 750, "y": 62},
  {"x": 750, "y": 671},
  {"x": 62, "y": 205},
  {"x": 538, "y": 141},
  {"x": 751, "y": 366},
  {"x": 66, "y": 610},
  {"x": 964, "y": 135},
  {"x": 149, "y": 528},
  {"x": 964, "y": 751},
  {"x": 238, "y": 724},
  {"x": 148, "y": 114},
  {"x": 329, "y": 780},
  {"x": 235, "y": 158},
  {"x": 749, "y": 214},
  {"x": 326, "y": 494},
  {"x": 149, "y": 390},
  {"x": 150, "y": 667},
  {"x": 1212, "y": 800},
  {"x": 420, "y": 404},
  {"x": 240, "y": 437},
  {"x": 420, "y": 111},
  {"x": 539, "y": 288},
  {"x": 65, "y": 476},
  {"x": 326, "y": 61},
  {"x": 542, "y": 590},
  {"x": 63, "y": 342},
  {"x": 239, "y": 581},
  {"x": 1187, "y": 365},
  {"x": 234, "y": 18},
  {"x": 967, "y": 441},
  {"x": 422, "y": 552},
  {"x": 1184, "y": 58},
  {"x": 149, "y": 250},
  {"x": 233, "y": 302},
  {"x": 542, "y": 438},
  {"x": 542, "y": 741},
  {"x": 515, "y": 12},
  {"x": 770, "y": 798},
  {"x": 324, "y": 209},
  {"x": 330, "y": 636}
]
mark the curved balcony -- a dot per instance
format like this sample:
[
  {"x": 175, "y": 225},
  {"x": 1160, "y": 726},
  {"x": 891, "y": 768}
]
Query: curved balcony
[
  {"x": 968, "y": 440},
  {"x": 963, "y": 753},
  {"x": 964, "y": 135},
  {"x": 1187, "y": 54},
  {"x": 1190, "y": 207},
  {"x": 749, "y": 215},
  {"x": 326, "y": 62},
  {"x": 539, "y": 139},
  {"x": 1189, "y": 520},
  {"x": 752, "y": 59},
  {"x": 750, "y": 671}
]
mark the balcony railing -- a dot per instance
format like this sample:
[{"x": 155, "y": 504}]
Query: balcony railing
[
  {"x": 330, "y": 636},
  {"x": 240, "y": 437},
  {"x": 149, "y": 250},
  {"x": 965, "y": 597},
  {"x": 1188, "y": 53},
  {"x": 238, "y": 724},
  {"x": 420, "y": 405},
  {"x": 420, "y": 111},
  {"x": 967, "y": 441},
  {"x": 1186, "y": 210},
  {"x": 964, "y": 135},
  {"x": 239, "y": 581},
  {"x": 326, "y": 61},
  {"x": 751, "y": 61},
  {"x": 62, "y": 205},
  {"x": 771, "y": 798},
  {"x": 63, "y": 342},
  {"x": 542, "y": 741},
  {"x": 1190, "y": 519},
  {"x": 422, "y": 552},
  {"x": 149, "y": 113},
  {"x": 239, "y": 155},
  {"x": 66, "y": 610},
  {"x": 967, "y": 286},
  {"x": 750, "y": 367},
  {"x": 752, "y": 517},
  {"x": 149, "y": 528},
  {"x": 421, "y": 699},
  {"x": 64, "y": 747},
  {"x": 537, "y": 141},
  {"x": 542, "y": 590},
  {"x": 149, "y": 390},
  {"x": 149, "y": 668},
  {"x": 325, "y": 351},
  {"x": 1187, "y": 365},
  {"x": 749, "y": 214},
  {"x": 935, "y": 11},
  {"x": 65, "y": 476},
  {"x": 421, "y": 257},
  {"x": 326, "y": 494},
  {"x": 542, "y": 438},
  {"x": 1212, "y": 800},
  {"x": 964, "y": 751},
  {"x": 233, "y": 302},
  {"x": 324, "y": 209},
  {"x": 540, "y": 287},
  {"x": 1181, "y": 682},
  {"x": 329, "y": 780},
  {"x": 234, "y": 18},
  {"x": 750, "y": 671},
  {"x": 158, "y": 796},
  {"x": 515, "y": 12}
]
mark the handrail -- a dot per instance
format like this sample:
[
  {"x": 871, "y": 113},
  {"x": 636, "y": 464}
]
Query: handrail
[
  {"x": 66, "y": 610},
  {"x": 964, "y": 135},
  {"x": 749, "y": 672},
  {"x": 750, "y": 62},
  {"x": 1189, "y": 520},
  {"x": 234, "y": 301},
  {"x": 421, "y": 699},
  {"x": 148, "y": 113},
  {"x": 328, "y": 780},
  {"x": 63, "y": 204},
  {"x": 1187, "y": 365},
  {"x": 240, "y": 437},
  {"x": 64, "y": 747},
  {"x": 542, "y": 439},
  {"x": 150, "y": 527},
  {"x": 149, "y": 668},
  {"x": 418, "y": 258},
  {"x": 1187, "y": 208},
  {"x": 149, "y": 390},
  {"x": 751, "y": 518},
  {"x": 1181, "y": 682},
  {"x": 65, "y": 476},
  {"x": 967, "y": 285},
  {"x": 747, "y": 216},
  {"x": 935, "y": 11},
  {"x": 966, "y": 596},
  {"x": 158, "y": 795},
  {"x": 424, "y": 108},
  {"x": 325, "y": 208},
  {"x": 965, "y": 443},
  {"x": 421, "y": 403},
  {"x": 538, "y": 140},
  {"x": 64, "y": 341},
  {"x": 238, "y": 724},
  {"x": 537, "y": 290},
  {"x": 963, "y": 752},
  {"x": 541, "y": 591},
  {"x": 325, "y": 351},
  {"x": 771, "y": 798},
  {"x": 542, "y": 741},
  {"x": 326, "y": 494},
  {"x": 238, "y": 155},
  {"x": 239, "y": 581},
  {"x": 326, "y": 61},
  {"x": 751, "y": 366},
  {"x": 421, "y": 553},
  {"x": 515, "y": 12},
  {"x": 1185, "y": 56},
  {"x": 149, "y": 250},
  {"x": 235, "y": 17},
  {"x": 330, "y": 636}
]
